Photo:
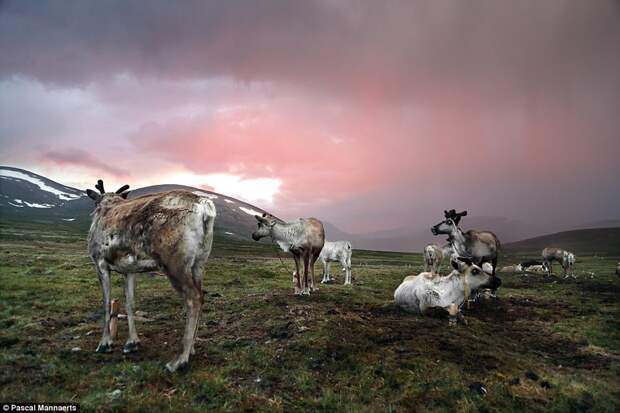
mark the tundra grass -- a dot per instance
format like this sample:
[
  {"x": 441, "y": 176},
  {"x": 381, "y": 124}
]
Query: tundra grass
[{"x": 543, "y": 345}]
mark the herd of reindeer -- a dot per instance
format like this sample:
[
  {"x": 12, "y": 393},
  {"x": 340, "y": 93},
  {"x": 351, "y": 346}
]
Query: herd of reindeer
[{"x": 172, "y": 233}]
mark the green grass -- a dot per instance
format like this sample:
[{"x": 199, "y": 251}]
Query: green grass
[{"x": 344, "y": 349}]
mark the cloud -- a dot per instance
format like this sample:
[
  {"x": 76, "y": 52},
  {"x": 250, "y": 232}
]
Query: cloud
[
  {"x": 366, "y": 113},
  {"x": 78, "y": 157}
]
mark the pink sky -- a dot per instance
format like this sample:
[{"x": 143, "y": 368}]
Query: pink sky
[{"x": 370, "y": 115}]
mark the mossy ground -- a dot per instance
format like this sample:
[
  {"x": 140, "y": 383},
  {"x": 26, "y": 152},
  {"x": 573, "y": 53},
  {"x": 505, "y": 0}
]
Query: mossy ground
[{"x": 544, "y": 345}]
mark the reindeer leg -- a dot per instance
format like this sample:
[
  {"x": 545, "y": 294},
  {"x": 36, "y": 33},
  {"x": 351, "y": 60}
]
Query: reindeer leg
[
  {"x": 105, "y": 344},
  {"x": 325, "y": 271},
  {"x": 453, "y": 311},
  {"x": 305, "y": 286},
  {"x": 315, "y": 256},
  {"x": 132, "y": 341},
  {"x": 297, "y": 275},
  {"x": 347, "y": 271},
  {"x": 193, "y": 306}
]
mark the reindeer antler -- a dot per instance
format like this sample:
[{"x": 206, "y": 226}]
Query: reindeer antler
[
  {"x": 122, "y": 189},
  {"x": 99, "y": 186}
]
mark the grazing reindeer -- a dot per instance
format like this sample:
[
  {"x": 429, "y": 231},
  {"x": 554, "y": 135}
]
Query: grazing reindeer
[
  {"x": 336, "y": 251},
  {"x": 433, "y": 256},
  {"x": 303, "y": 238},
  {"x": 171, "y": 232},
  {"x": 418, "y": 293},
  {"x": 551, "y": 254}
]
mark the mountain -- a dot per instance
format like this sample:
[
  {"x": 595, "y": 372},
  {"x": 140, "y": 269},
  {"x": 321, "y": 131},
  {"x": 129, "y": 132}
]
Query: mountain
[
  {"x": 28, "y": 197},
  {"x": 31, "y": 197},
  {"x": 591, "y": 241}
]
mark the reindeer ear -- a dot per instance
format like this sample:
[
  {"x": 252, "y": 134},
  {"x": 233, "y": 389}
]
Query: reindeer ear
[
  {"x": 124, "y": 195},
  {"x": 93, "y": 195}
]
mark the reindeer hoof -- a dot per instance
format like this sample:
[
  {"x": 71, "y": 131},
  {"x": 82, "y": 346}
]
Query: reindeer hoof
[
  {"x": 131, "y": 347},
  {"x": 177, "y": 365},
  {"x": 104, "y": 348}
]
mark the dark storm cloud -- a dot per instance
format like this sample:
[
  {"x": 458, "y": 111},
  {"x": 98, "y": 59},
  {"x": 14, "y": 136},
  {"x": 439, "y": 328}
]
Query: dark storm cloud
[{"x": 389, "y": 48}]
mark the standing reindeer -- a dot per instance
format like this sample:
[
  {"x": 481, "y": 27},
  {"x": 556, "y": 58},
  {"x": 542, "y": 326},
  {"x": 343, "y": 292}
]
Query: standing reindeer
[
  {"x": 171, "y": 232},
  {"x": 303, "y": 238},
  {"x": 479, "y": 246}
]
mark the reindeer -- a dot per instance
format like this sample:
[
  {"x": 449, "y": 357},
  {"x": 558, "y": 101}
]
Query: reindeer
[
  {"x": 336, "y": 251},
  {"x": 433, "y": 256},
  {"x": 551, "y": 254},
  {"x": 418, "y": 293},
  {"x": 303, "y": 238},
  {"x": 479, "y": 246},
  {"x": 170, "y": 232}
]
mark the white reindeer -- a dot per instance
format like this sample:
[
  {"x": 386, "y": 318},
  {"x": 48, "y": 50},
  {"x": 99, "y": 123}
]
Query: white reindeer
[
  {"x": 170, "y": 232},
  {"x": 336, "y": 251},
  {"x": 418, "y": 293}
]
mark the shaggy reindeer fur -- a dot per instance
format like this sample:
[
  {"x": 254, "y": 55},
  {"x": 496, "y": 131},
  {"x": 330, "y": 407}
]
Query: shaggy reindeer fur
[{"x": 170, "y": 232}]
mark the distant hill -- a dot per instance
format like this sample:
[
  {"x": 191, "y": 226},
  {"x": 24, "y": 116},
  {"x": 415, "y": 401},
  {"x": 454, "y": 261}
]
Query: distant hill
[
  {"x": 592, "y": 241},
  {"x": 28, "y": 197}
]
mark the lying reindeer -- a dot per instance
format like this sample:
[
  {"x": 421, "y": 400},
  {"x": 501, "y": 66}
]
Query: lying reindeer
[
  {"x": 169, "y": 232},
  {"x": 418, "y": 293}
]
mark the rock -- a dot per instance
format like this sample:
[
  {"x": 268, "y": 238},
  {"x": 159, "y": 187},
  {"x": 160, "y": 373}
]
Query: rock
[
  {"x": 76, "y": 349},
  {"x": 116, "y": 394},
  {"x": 478, "y": 388},
  {"x": 531, "y": 375}
]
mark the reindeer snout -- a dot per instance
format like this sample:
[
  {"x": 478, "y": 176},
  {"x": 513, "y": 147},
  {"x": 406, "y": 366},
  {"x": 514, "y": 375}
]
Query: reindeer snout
[
  {"x": 495, "y": 283},
  {"x": 434, "y": 230},
  {"x": 255, "y": 237}
]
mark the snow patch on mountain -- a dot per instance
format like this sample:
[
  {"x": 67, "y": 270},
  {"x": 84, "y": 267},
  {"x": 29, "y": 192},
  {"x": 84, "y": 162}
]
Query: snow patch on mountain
[
  {"x": 9, "y": 174},
  {"x": 249, "y": 211}
]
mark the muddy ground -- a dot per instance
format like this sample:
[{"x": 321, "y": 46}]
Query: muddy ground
[{"x": 546, "y": 344}]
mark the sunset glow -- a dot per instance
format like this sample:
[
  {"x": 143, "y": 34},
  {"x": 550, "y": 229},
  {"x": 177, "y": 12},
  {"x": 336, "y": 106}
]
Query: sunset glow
[{"x": 330, "y": 109}]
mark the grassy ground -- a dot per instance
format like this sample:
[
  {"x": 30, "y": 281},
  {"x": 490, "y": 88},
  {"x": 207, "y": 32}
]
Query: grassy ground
[{"x": 544, "y": 345}]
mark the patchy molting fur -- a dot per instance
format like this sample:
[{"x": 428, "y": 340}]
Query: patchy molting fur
[
  {"x": 564, "y": 258},
  {"x": 336, "y": 251},
  {"x": 170, "y": 232},
  {"x": 303, "y": 238},
  {"x": 418, "y": 293},
  {"x": 480, "y": 246}
]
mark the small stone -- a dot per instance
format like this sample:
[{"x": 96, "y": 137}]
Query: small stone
[
  {"x": 478, "y": 388},
  {"x": 116, "y": 394},
  {"x": 76, "y": 349}
]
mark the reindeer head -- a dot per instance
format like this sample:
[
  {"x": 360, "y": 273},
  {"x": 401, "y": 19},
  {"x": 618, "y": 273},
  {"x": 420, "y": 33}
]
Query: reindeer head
[
  {"x": 121, "y": 193},
  {"x": 444, "y": 227},
  {"x": 265, "y": 223},
  {"x": 476, "y": 276}
]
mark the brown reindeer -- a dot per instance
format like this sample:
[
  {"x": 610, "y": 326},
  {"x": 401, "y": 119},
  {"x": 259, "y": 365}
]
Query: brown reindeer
[
  {"x": 479, "y": 246},
  {"x": 170, "y": 232},
  {"x": 303, "y": 238}
]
